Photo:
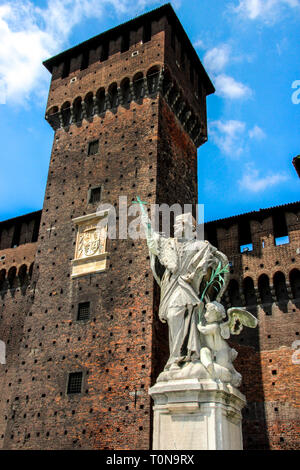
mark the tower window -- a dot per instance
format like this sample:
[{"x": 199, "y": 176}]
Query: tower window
[
  {"x": 94, "y": 195},
  {"x": 66, "y": 68},
  {"x": 85, "y": 60},
  {"x": 147, "y": 32},
  {"x": 74, "y": 382},
  {"x": 93, "y": 147},
  {"x": 83, "y": 311},
  {"x": 281, "y": 236},
  {"x": 104, "y": 52},
  {"x": 125, "y": 42},
  {"x": 245, "y": 236}
]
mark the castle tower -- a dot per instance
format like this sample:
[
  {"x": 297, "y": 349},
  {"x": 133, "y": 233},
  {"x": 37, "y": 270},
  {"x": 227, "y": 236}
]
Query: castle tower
[{"x": 128, "y": 109}]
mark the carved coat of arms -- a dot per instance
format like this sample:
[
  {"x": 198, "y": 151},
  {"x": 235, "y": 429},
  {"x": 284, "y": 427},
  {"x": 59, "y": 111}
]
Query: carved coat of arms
[{"x": 89, "y": 242}]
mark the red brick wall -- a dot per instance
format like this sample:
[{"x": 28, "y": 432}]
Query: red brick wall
[{"x": 272, "y": 418}]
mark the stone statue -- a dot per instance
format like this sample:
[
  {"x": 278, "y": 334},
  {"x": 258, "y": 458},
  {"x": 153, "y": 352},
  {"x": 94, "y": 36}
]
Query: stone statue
[
  {"x": 215, "y": 349},
  {"x": 195, "y": 276}
]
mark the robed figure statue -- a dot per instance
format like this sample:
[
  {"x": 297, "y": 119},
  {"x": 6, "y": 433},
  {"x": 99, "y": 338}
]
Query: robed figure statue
[{"x": 192, "y": 274}]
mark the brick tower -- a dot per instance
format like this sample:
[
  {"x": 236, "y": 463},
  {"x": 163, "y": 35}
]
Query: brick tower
[{"x": 128, "y": 108}]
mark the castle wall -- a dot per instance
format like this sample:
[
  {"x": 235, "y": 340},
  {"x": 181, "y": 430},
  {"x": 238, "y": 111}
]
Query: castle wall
[
  {"x": 266, "y": 282},
  {"x": 16, "y": 297}
]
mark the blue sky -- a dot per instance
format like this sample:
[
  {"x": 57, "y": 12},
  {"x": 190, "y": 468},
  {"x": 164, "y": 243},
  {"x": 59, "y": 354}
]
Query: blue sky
[{"x": 251, "y": 51}]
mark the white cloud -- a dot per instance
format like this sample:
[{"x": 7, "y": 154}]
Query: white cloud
[
  {"x": 252, "y": 181},
  {"x": 215, "y": 59},
  {"x": 256, "y": 133},
  {"x": 31, "y": 34},
  {"x": 228, "y": 87},
  {"x": 228, "y": 136},
  {"x": 265, "y": 10},
  {"x": 199, "y": 44}
]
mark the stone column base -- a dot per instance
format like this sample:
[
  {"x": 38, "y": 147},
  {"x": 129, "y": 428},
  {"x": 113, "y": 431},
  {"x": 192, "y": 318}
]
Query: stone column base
[{"x": 194, "y": 414}]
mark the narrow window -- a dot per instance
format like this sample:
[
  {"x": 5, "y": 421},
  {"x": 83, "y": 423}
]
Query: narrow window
[
  {"x": 16, "y": 236},
  {"x": 125, "y": 42},
  {"x": 147, "y": 32},
  {"x": 83, "y": 311},
  {"x": 66, "y": 68},
  {"x": 94, "y": 195},
  {"x": 74, "y": 382},
  {"x": 104, "y": 52},
  {"x": 245, "y": 237},
  {"x": 93, "y": 147},
  {"x": 85, "y": 60},
  {"x": 281, "y": 236}
]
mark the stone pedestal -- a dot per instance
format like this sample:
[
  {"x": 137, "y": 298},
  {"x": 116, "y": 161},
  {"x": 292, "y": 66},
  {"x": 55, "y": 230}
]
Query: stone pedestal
[{"x": 194, "y": 414}]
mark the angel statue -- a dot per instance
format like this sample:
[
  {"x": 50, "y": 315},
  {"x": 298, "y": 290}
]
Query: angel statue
[
  {"x": 216, "y": 351},
  {"x": 191, "y": 274}
]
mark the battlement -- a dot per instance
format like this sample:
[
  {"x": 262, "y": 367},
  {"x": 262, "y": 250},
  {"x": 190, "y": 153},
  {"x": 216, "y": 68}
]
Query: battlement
[{"x": 148, "y": 55}]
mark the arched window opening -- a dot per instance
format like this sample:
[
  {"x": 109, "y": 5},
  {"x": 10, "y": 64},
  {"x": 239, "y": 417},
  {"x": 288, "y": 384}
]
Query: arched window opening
[
  {"x": 295, "y": 283},
  {"x": 100, "y": 96},
  {"x": 77, "y": 110},
  {"x": 125, "y": 91},
  {"x": 152, "y": 79},
  {"x": 23, "y": 274},
  {"x": 138, "y": 85},
  {"x": 113, "y": 95},
  {"x": 2, "y": 279},
  {"x": 12, "y": 277},
  {"x": 89, "y": 105},
  {"x": 264, "y": 289},
  {"x": 53, "y": 117},
  {"x": 280, "y": 287},
  {"x": 249, "y": 291},
  {"x": 234, "y": 293},
  {"x": 66, "y": 114}
]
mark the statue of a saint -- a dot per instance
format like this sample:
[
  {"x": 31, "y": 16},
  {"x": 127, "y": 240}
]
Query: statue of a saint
[{"x": 191, "y": 274}]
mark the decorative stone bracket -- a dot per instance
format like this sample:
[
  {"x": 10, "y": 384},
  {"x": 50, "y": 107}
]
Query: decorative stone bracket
[{"x": 135, "y": 90}]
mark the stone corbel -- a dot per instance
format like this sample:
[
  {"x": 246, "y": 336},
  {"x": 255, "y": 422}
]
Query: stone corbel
[
  {"x": 120, "y": 96},
  {"x": 96, "y": 107},
  {"x": 83, "y": 107}
]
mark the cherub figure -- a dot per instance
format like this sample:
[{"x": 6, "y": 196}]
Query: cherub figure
[{"x": 216, "y": 350}]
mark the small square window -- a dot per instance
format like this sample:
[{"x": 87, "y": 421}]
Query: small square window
[
  {"x": 93, "y": 147},
  {"x": 75, "y": 382},
  {"x": 83, "y": 311},
  {"x": 94, "y": 195}
]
